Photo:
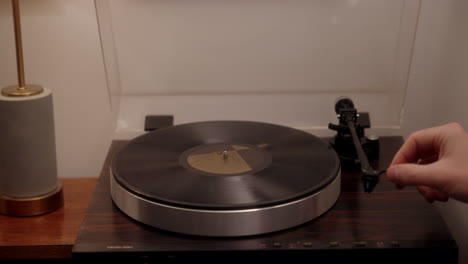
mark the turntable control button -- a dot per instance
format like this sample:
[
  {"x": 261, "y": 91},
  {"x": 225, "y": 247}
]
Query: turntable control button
[
  {"x": 360, "y": 243},
  {"x": 334, "y": 244},
  {"x": 277, "y": 245},
  {"x": 307, "y": 244}
]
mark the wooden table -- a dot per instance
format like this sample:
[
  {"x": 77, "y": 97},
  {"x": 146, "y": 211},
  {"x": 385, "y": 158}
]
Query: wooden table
[
  {"x": 387, "y": 226},
  {"x": 49, "y": 236}
]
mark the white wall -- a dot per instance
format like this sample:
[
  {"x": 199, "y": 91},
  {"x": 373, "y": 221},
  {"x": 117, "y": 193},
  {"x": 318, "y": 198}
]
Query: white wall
[{"x": 63, "y": 53}]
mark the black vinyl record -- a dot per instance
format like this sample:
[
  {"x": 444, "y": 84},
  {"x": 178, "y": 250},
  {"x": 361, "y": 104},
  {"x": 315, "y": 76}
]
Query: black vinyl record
[{"x": 225, "y": 165}]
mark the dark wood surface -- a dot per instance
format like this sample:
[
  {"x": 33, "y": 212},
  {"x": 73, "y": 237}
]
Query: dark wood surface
[
  {"x": 381, "y": 218},
  {"x": 49, "y": 236}
]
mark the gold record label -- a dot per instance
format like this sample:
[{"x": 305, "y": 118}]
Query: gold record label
[
  {"x": 226, "y": 158},
  {"x": 220, "y": 162}
]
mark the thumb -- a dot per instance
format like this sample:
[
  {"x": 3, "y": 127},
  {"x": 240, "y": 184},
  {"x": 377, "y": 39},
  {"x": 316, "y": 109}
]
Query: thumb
[{"x": 417, "y": 174}]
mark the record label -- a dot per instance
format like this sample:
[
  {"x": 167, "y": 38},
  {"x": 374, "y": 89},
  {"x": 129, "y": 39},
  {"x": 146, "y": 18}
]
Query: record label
[{"x": 225, "y": 159}]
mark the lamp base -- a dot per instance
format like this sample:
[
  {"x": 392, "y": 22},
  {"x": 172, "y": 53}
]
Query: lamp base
[
  {"x": 16, "y": 91},
  {"x": 33, "y": 205}
]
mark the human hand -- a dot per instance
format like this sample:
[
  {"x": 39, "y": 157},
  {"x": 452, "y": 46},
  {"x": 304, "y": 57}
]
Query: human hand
[{"x": 436, "y": 161}]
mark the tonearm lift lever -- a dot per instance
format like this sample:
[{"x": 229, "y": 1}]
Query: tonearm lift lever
[{"x": 351, "y": 145}]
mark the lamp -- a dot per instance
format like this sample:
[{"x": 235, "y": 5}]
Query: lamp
[{"x": 28, "y": 167}]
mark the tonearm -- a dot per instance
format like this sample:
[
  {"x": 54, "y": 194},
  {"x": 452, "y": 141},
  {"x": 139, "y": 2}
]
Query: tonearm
[{"x": 352, "y": 146}]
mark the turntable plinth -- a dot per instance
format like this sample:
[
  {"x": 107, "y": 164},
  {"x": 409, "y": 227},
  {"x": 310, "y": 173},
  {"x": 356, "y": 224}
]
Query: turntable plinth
[{"x": 386, "y": 226}]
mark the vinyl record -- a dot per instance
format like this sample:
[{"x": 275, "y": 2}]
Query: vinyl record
[{"x": 225, "y": 165}]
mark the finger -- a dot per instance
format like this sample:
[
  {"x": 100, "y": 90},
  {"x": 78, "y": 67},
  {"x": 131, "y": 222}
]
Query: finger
[
  {"x": 427, "y": 193},
  {"x": 422, "y": 144},
  {"x": 399, "y": 186},
  {"x": 428, "y": 160},
  {"x": 441, "y": 197},
  {"x": 431, "y": 194},
  {"x": 415, "y": 175},
  {"x": 418, "y": 146},
  {"x": 425, "y": 143}
]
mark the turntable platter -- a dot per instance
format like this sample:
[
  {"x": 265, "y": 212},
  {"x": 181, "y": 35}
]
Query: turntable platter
[{"x": 205, "y": 170}]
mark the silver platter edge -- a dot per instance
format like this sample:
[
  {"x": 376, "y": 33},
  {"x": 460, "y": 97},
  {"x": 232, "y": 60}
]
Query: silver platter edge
[{"x": 225, "y": 223}]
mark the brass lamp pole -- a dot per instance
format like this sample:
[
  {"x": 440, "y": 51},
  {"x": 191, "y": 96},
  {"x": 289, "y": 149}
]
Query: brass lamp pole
[{"x": 21, "y": 89}]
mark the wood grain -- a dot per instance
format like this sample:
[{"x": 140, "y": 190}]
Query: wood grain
[
  {"x": 385, "y": 216},
  {"x": 49, "y": 236}
]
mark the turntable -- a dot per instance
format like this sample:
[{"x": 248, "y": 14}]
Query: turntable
[{"x": 238, "y": 190}]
